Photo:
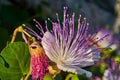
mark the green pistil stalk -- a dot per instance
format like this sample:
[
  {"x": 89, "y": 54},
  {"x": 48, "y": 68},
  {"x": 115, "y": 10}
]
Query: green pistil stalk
[{"x": 20, "y": 29}]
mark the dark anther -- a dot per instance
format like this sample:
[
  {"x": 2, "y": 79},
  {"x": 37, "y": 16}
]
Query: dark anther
[{"x": 33, "y": 47}]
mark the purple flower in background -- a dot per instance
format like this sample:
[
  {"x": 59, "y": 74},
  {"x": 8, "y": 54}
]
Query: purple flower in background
[
  {"x": 39, "y": 62},
  {"x": 104, "y": 38},
  {"x": 67, "y": 47},
  {"x": 113, "y": 71}
]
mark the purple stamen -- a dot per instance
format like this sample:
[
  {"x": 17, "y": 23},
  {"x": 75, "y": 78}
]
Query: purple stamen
[{"x": 68, "y": 48}]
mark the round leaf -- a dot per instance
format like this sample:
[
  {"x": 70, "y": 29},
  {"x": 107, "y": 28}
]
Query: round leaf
[{"x": 14, "y": 61}]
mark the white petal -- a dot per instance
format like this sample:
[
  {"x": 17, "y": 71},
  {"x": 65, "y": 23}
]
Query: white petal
[
  {"x": 85, "y": 59},
  {"x": 49, "y": 45},
  {"x": 74, "y": 69}
]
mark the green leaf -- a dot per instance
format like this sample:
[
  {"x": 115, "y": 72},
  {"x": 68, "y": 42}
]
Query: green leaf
[
  {"x": 47, "y": 77},
  {"x": 103, "y": 67},
  {"x": 82, "y": 77},
  {"x": 14, "y": 61},
  {"x": 117, "y": 58},
  {"x": 75, "y": 77},
  {"x": 59, "y": 77}
]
